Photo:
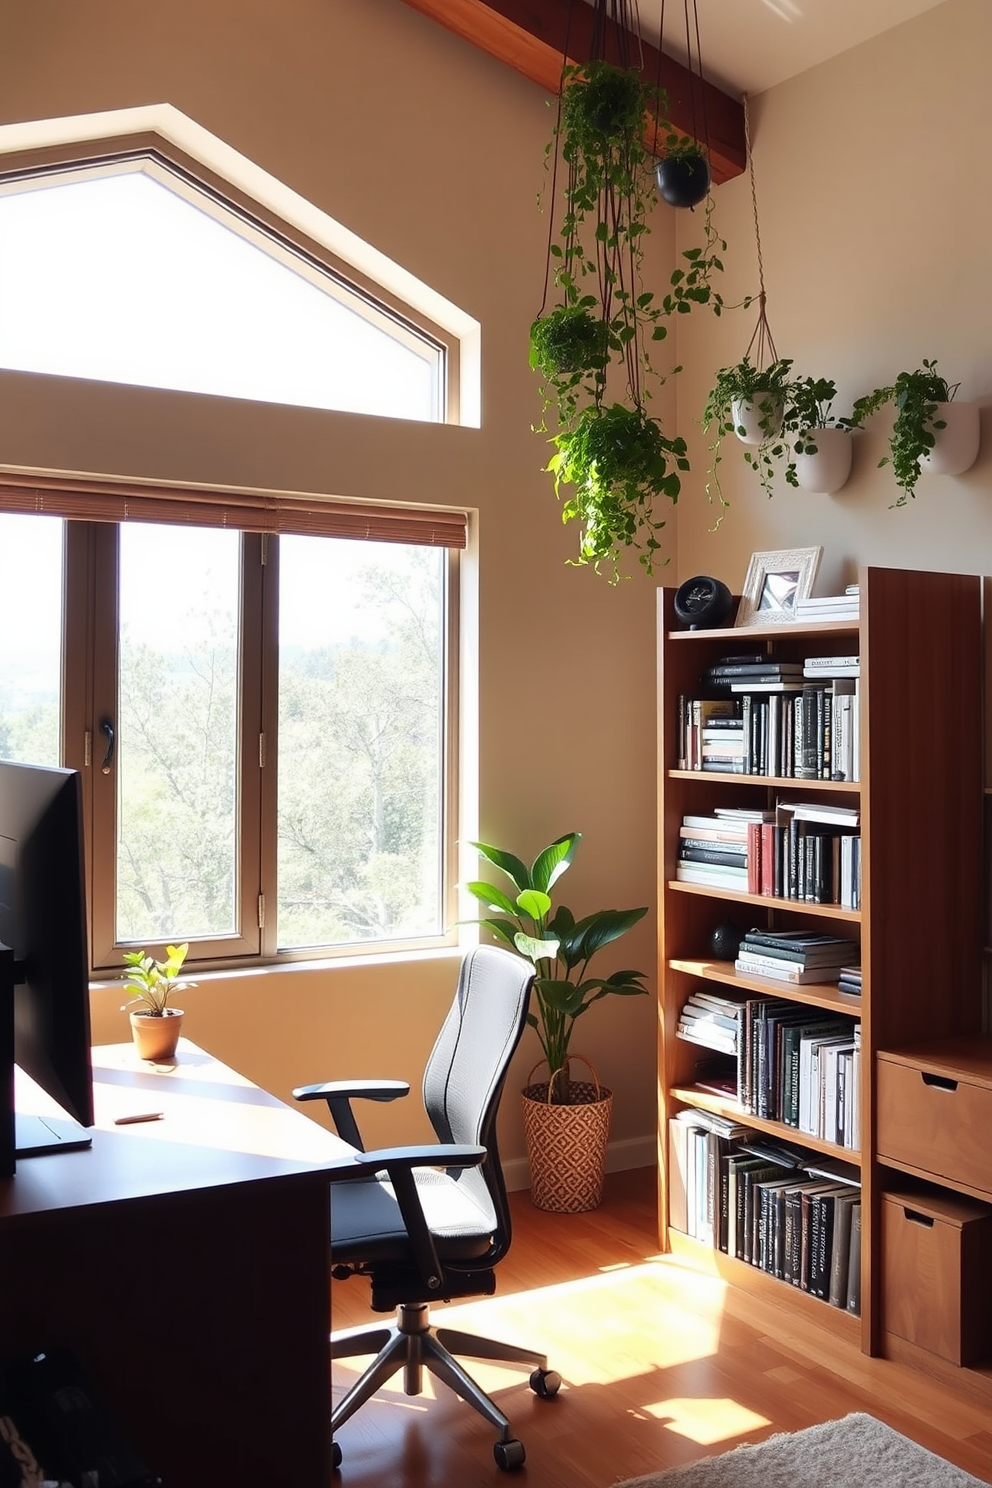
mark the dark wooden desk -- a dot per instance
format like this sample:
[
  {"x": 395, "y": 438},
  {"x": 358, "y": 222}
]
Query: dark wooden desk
[{"x": 185, "y": 1263}]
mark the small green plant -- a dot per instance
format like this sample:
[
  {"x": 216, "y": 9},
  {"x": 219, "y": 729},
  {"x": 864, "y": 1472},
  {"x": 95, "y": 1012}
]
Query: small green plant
[
  {"x": 619, "y": 463},
  {"x": 560, "y": 946},
  {"x": 154, "y": 982},
  {"x": 809, "y": 408},
  {"x": 915, "y": 396},
  {"x": 767, "y": 389}
]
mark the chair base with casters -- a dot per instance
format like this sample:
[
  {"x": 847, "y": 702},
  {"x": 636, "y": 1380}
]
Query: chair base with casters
[
  {"x": 429, "y": 1223},
  {"x": 414, "y": 1344}
]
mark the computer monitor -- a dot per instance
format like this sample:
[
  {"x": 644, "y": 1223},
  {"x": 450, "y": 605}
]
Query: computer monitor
[{"x": 45, "y": 1017}]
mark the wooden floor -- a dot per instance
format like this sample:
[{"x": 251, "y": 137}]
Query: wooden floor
[{"x": 661, "y": 1365}]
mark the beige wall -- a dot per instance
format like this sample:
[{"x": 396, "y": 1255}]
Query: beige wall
[
  {"x": 876, "y": 228},
  {"x": 872, "y": 179},
  {"x": 433, "y": 153}
]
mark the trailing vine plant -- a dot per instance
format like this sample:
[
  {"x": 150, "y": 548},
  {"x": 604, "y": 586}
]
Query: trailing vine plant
[
  {"x": 915, "y": 395},
  {"x": 605, "y": 326}
]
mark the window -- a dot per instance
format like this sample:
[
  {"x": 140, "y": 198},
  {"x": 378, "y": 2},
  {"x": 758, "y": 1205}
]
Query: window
[
  {"x": 262, "y": 732},
  {"x": 257, "y": 687},
  {"x": 165, "y": 286}
]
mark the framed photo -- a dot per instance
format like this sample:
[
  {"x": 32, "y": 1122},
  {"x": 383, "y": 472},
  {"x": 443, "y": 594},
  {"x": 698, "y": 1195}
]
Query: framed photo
[{"x": 774, "y": 582}]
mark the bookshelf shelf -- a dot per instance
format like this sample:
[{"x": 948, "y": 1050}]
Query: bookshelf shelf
[
  {"x": 919, "y": 640},
  {"x": 767, "y": 901},
  {"x": 777, "y": 782},
  {"x": 702, "y": 1100},
  {"x": 813, "y": 994},
  {"x": 778, "y": 1293}
]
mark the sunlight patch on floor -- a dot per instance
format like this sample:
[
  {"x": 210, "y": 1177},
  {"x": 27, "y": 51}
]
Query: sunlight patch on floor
[{"x": 706, "y": 1421}]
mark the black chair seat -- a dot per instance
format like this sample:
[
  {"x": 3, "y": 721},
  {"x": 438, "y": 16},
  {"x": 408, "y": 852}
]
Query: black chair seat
[{"x": 367, "y": 1226}]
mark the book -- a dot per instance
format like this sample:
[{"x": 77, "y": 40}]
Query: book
[
  {"x": 826, "y": 952},
  {"x": 712, "y": 875},
  {"x": 777, "y": 971},
  {"x": 840, "y": 1253},
  {"x": 765, "y": 670},
  {"x": 827, "y": 663},
  {"x": 817, "y": 811},
  {"x": 723, "y": 854},
  {"x": 768, "y": 684},
  {"x": 853, "y": 1301},
  {"x": 799, "y": 940}
]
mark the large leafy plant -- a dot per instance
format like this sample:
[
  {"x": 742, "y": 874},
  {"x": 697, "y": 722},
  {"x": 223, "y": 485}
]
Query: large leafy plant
[
  {"x": 560, "y": 946},
  {"x": 915, "y": 396}
]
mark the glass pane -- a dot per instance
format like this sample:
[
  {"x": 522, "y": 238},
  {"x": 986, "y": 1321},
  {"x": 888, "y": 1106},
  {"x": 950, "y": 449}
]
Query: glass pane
[
  {"x": 361, "y": 687},
  {"x": 177, "y": 746},
  {"x": 158, "y": 292},
  {"x": 31, "y": 562}
]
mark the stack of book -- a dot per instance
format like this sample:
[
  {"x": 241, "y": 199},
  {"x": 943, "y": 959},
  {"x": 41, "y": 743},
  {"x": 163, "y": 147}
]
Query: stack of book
[
  {"x": 713, "y": 850},
  {"x": 829, "y": 606},
  {"x": 850, "y": 980},
  {"x": 713, "y": 1020},
  {"x": 804, "y": 726},
  {"x": 767, "y": 1204},
  {"x": 756, "y": 672},
  {"x": 795, "y": 956}
]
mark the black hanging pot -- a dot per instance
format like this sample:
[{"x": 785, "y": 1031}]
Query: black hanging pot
[{"x": 682, "y": 180}]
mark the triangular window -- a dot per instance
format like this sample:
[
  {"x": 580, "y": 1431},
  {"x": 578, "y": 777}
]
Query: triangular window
[{"x": 129, "y": 273}]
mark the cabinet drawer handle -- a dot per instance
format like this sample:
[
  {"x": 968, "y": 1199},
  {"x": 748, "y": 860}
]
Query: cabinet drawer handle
[
  {"x": 939, "y": 1082},
  {"x": 915, "y": 1217}
]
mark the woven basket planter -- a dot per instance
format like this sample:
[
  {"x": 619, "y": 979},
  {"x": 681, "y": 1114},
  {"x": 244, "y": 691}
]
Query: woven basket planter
[{"x": 566, "y": 1145}]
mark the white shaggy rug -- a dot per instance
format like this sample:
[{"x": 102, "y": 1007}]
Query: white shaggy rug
[{"x": 851, "y": 1453}]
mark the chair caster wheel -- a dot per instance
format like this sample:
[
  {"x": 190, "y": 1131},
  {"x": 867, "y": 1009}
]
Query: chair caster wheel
[
  {"x": 545, "y": 1383},
  {"x": 510, "y": 1455},
  {"x": 335, "y": 1456}
]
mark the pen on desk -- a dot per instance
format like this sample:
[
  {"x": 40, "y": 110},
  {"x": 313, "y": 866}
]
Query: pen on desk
[{"x": 133, "y": 1120}]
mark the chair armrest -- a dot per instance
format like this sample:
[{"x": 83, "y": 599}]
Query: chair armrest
[
  {"x": 399, "y": 1163},
  {"x": 377, "y": 1090},
  {"x": 405, "y": 1159},
  {"x": 339, "y": 1094}
]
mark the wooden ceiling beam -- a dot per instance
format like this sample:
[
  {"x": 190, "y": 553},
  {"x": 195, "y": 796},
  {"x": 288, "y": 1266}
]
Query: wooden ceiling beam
[{"x": 530, "y": 36}]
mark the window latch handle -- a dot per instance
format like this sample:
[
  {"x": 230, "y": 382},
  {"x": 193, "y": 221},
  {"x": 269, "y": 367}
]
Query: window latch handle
[{"x": 107, "y": 728}]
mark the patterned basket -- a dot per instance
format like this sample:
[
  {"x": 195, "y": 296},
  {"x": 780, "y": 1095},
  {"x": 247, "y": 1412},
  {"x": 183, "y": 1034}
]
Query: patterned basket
[{"x": 566, "y": 1145}]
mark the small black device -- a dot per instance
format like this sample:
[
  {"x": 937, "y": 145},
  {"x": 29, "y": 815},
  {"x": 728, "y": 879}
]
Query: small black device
[
  {"x": 703, "y": 603},
  {"x": 725, "y": 941}
]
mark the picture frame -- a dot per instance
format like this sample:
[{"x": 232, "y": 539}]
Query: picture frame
[{"x": 774, "y": 582}]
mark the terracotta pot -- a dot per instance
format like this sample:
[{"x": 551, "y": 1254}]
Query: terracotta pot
[
  {"x": 756, "y": 421},
  {"x": 956, "y": 446},
  {"x": 155, "y": 1038},
  {"x": 829, "y": 467}
]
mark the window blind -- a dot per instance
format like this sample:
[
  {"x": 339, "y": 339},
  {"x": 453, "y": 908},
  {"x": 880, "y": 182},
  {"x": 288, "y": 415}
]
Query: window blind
[{"x": 241, "y": 511}]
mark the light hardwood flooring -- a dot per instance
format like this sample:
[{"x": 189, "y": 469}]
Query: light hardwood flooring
[{"x": 660, "y": 1363}]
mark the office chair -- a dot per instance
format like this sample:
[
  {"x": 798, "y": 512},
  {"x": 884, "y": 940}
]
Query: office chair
[{"x": 430, "y": 1223}]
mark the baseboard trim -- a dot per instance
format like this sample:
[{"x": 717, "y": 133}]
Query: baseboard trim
[{"x": 633, "y": 1152}]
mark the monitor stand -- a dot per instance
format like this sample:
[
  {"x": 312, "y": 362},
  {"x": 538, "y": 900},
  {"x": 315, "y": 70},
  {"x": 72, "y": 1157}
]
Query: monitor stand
[{"x": 35, "y": 1136}]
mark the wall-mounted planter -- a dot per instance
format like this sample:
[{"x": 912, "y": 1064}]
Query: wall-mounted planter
[
  {"x": 755, "y": 422},
  {"x": 956, "y": 446},
  {"x": 828, "y": 468}
]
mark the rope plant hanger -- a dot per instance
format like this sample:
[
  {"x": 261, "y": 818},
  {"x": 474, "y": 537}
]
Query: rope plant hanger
[
  {"x": 752, "y": 398},
  {"x": 683, "y": 174},
  {"x": 593, "y": 338}
]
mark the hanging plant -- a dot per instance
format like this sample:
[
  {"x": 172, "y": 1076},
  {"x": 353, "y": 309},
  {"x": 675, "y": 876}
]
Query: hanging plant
[
  {"x": 918, "y": 397},
  {"x": 749, "y": 401},
  {"x": 619, "y": 463},
  {"x": 683, "y": 175},
  {"x": 600, "y": 337}
]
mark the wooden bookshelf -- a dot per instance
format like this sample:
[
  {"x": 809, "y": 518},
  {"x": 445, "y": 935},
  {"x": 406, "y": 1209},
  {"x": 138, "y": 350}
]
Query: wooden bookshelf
[{"x": 922, "y": 921}]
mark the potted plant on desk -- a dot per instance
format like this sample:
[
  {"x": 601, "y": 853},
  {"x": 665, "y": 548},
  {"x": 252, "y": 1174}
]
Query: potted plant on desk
[
  {"x": 155, "y": 1026},
  {"x": 566, "y": 1121}
]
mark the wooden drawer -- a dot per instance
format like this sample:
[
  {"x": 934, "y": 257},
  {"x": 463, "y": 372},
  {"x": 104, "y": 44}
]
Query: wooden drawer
[
  {"x": 936, "y": 1259},
  {"x": 935, "y": 1123}
]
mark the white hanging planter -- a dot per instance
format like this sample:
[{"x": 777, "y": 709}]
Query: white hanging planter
[
  {"x": 956, "y": 446},
  {"x": 828, "y": 468},
  {"x": 758, "y": 420}
]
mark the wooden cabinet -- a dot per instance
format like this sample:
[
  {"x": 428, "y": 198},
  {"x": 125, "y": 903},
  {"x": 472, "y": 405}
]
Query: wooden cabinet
[{"x": 920, "y": 920}]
